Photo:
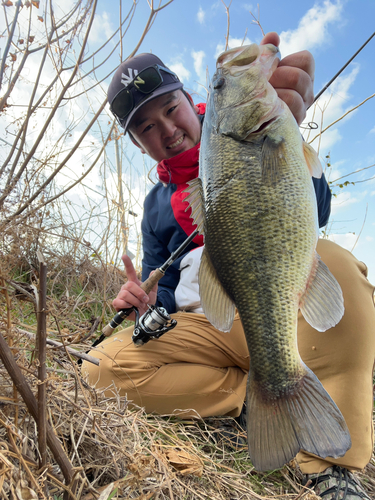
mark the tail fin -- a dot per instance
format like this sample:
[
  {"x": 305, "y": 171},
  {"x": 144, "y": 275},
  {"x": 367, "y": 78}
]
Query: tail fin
[{"x": 306, "y": 418}]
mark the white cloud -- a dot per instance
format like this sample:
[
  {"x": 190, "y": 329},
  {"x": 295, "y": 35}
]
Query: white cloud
[
  {"x": 101, "y": 28},
  {"x": 201, "y": 15},
  {"x": 312, "y": 30},
  {"x": 369, "y": 238},
  {"x": 198, "y": 57},
  {"x": 232, "y": 43},
  {"x": 343, "y": 200},
  {"x": 180, "y": 69},
  {"x": 372, "y": 131}
]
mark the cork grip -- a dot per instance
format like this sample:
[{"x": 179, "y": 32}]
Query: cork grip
[{"x": 149, "y": 284}]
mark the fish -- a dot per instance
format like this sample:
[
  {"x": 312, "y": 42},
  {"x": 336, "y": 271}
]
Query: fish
[{"x": 255, "y": 204}]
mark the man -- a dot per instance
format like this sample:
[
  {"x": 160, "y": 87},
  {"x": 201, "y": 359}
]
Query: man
[{"x": 195, "y": 369}]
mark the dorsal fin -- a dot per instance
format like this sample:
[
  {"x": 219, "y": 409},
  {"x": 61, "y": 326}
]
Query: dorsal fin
[{"x": 195, "y": 200}]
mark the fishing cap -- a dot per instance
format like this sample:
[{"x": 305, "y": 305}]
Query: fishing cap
[{"x": 137, "y": 81}]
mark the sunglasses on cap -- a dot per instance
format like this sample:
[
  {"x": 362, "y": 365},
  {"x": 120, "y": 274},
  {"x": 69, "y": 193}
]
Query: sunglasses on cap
[{"x": 146, "y": 82}]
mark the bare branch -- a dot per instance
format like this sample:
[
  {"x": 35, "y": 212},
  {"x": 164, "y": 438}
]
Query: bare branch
[
  {"x": 341, "y": 117},
  {"x": 10, "y": 37},
  {"x": 257, "y": 20},
  {"x": 228, "y": 24}
]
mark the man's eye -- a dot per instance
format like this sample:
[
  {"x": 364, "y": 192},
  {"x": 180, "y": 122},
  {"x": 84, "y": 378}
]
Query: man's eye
[
  {"x": 149, "y": 127},
  {"x": 171, "y": 109}
]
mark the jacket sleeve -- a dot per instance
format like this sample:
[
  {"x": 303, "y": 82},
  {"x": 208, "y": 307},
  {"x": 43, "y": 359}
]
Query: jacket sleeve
[
  {"x": 323, "y": 198},
  {"x": 155, "y": 253}
]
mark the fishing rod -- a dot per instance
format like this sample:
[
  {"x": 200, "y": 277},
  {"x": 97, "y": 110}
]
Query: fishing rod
[
  {"x": 156, "y": 321},
  {"x": 341, "y": 70}
]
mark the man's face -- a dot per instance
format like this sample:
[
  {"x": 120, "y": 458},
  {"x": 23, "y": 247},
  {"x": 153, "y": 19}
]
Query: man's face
[{"x": 166, "y": 126}]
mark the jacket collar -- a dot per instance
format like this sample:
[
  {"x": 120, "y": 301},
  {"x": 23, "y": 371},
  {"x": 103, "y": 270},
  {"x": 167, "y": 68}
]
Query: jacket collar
[{"x": 181, "y": 168}]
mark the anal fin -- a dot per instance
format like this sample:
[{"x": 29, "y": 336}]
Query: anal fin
[
  {"x": 312, "y": 160},
  {"x": 322, "y": 305}
]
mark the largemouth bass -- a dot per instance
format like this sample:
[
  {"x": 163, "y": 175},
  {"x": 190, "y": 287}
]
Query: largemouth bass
[{"x": 254, "y": 201}]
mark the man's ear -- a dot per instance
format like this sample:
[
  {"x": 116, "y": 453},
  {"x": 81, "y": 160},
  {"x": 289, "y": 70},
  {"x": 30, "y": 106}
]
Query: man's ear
[
  {"x": 136, "y": 143},
  {"x": 196, "y": 109}
]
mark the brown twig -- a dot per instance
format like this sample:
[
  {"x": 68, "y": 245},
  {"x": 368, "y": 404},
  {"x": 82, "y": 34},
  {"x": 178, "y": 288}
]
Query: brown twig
[
  {"x": 41, "y": 336},
  {"x": 32, "y": 405},
  {"x": 256, "y": 20},
  {"x": 228, "y": 24},
  {"x": 71, "y": 351},
  {"x": 341, "y": 117},
  {"x": 360, "y": 232}
]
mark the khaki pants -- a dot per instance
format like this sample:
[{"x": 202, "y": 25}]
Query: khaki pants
[{"x": 195, "y": 369}]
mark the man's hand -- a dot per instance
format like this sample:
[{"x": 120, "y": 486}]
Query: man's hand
[
  {"x": 131, "y": 294},
  {"x": 293, "y": 79}
]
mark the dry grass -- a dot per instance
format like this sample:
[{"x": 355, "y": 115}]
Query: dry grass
[{"x": 117, "y": 449}]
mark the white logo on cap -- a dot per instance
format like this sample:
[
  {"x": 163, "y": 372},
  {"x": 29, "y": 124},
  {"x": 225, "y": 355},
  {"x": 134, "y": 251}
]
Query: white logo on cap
[{"x": 125, "y": 80}]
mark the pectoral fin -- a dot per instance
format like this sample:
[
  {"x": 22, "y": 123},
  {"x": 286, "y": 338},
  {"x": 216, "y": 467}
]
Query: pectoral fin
[
  {"x": 216, "y": 303},
  {"x": 322, "y": 305},
  {"x": 273, "y": 160},
  {"x": 312, "y": 160}
]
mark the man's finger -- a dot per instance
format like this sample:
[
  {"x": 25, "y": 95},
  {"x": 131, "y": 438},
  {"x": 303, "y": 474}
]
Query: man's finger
[
  {"x": 129, "y": 269},
  {"x": 287, "y": 77},
  {"x": 271, "y": 37},
  {"x": 303, "y": 60},
  {"x": 294, "y": 102}
]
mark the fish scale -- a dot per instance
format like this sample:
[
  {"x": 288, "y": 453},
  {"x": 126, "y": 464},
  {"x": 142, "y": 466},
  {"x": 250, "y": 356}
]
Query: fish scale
[{"x": 254, "y": 202}]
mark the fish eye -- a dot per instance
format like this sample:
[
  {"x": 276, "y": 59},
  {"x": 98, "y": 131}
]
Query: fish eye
[{"x": 218, "y": 84}]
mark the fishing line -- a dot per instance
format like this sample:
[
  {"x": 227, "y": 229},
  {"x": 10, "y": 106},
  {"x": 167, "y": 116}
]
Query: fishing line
[{"x": 341, "y": 70}]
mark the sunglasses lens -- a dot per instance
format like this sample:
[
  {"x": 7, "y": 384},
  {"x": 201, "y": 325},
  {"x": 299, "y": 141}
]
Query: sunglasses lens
[
  {"x": 145, "y": 82},
  {"x": 148, "y": 80},
  {"x": 122, "y": 104}
]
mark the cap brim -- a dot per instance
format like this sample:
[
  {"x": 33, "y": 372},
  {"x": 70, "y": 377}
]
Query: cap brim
[{"x": 165, "y": 89}]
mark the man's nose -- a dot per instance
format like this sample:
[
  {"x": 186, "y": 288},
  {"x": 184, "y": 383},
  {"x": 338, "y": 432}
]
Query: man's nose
[{"x": 168, "y": 128}]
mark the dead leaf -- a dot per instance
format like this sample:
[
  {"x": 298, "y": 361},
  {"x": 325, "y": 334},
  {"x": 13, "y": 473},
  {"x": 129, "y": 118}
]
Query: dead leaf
[
  {"x": 13, "y": 56},
  {"x": 106, "y": 492},
  {"x": 35, "y": 3},
  {"x": 21, "y": 41},
  {"x": 184, "y": 462},
  {"x": 40, "y": 18},
  {"x": 23, "y": 492},
  {"x": 8, "y": 3},
  {"x": 31, "y": 38}
]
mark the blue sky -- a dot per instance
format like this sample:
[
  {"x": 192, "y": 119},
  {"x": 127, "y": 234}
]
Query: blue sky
[{"x": 187, "y": 36}]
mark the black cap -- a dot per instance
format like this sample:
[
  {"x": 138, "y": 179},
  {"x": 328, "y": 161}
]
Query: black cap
[{"x": 125, "y": 74}]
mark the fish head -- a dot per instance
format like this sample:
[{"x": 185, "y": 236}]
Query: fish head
[{"x": 241, "y": 99}]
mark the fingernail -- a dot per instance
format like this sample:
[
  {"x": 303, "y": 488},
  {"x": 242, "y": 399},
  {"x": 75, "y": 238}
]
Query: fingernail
[{"x": 145, "y": 299}]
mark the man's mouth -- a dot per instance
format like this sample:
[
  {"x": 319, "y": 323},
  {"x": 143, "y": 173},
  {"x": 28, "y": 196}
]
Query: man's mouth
[{"x": 177, "y": 143}]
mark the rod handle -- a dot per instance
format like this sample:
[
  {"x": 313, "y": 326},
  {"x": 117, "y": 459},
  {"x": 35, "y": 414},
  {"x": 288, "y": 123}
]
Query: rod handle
[{"x": 151, "y": 281}]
